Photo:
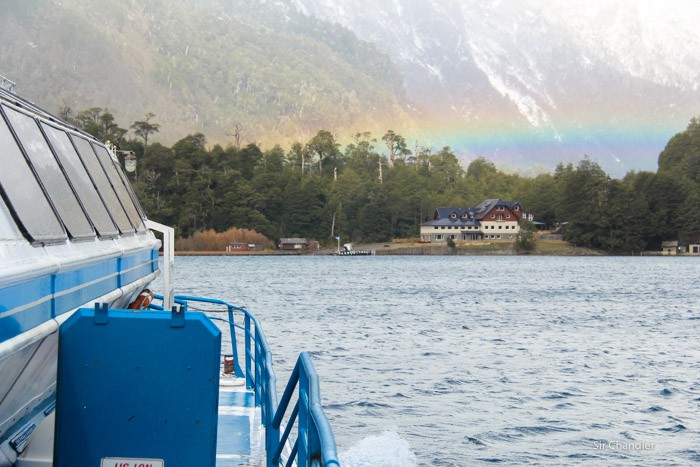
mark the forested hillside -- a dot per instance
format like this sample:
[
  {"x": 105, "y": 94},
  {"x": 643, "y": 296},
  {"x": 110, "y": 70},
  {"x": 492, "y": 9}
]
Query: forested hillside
[
  {"x": 319, "y": 189},
  {"x": 200, "y": 65},
  {"x": 521, "y": 83}
]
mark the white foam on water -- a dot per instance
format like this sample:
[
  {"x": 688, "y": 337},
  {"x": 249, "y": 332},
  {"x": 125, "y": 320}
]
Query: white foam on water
[{"x": 385, "y": 450}]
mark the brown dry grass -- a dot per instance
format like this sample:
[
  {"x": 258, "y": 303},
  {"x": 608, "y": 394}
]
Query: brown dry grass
[{"x": 211, "y": 240}]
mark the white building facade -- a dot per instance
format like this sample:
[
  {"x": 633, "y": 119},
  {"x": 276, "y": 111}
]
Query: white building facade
[{"x": 492, "y": 219}]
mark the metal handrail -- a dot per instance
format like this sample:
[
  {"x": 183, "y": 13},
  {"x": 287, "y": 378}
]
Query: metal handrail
[
  {"x": 262, "y": 380},
  {"x": 315, "y": 443}
]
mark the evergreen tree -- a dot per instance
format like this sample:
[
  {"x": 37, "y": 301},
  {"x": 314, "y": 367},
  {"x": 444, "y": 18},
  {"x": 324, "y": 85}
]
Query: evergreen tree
[
  {"x": 396, "y": 144},
  {"x": 525, "y": 239},
  {"x": 144, "y": 128},
  {"x": 361, "y": 195}
]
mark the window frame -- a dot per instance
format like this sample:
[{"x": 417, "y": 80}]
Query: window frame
[
  {"x": 125, "y": 228},
  {"x": 101, "y": 230},
  {"x": 56, "y": 185},
  {"x": 29, "y": 232},
  {"x": 110, "y": 167}
]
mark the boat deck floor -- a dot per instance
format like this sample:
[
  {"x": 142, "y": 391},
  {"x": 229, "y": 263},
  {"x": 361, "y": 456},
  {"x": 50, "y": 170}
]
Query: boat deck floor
[
  {"x": 241, "y": 436},
  {"x": 240, "y": 433}
]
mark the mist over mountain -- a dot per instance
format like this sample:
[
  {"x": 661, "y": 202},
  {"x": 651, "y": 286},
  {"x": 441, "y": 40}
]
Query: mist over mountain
[
  {"x": 200, "y": 66},
  {"x": 523, "y": 82}
]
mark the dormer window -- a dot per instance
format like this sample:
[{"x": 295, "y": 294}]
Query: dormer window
[
  {"x": 516, "y": 208},
  {"x": 465, "y": 216},
  {"x": 453, "y": 216}
]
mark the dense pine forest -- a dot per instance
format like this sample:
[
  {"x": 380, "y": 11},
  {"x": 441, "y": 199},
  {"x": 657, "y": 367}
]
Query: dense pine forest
[{"x": 377, "y": 188}]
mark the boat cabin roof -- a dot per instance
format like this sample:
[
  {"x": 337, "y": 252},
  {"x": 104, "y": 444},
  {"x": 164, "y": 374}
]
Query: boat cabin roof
[{"x": 58, "y": 183}]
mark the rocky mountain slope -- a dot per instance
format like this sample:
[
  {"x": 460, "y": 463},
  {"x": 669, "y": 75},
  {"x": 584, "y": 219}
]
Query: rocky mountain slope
[
  {"x": 535, "y": 75},
  {"x": 200, "y": 65},
  {"x": 522, "y": 82}
]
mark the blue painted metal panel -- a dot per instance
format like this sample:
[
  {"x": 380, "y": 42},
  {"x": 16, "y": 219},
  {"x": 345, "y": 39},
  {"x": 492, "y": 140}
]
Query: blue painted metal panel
[
  {"x": 24, "y": 306},
  {"x": 78, "y": 286},
  {"x": 136, "y": 266},
  {"x": 137, "y": 385},
  {"x": 136, "y": 259},
  {"x": 69, "y": 279},
  {"x": 135, "y": 273}
]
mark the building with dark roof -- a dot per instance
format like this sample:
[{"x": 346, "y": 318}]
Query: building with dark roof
[
  {"x": 293, "y": 244},
  {"x": 492, "y": 219}
]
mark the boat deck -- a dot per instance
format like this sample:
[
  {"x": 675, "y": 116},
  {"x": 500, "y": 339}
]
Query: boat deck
[{"x": 241, "y": 436}]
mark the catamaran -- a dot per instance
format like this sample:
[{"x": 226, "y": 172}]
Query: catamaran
[{"x": 95, "y": 369}]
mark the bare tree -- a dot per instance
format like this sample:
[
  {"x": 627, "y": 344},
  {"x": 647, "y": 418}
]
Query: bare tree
[
  {"x": 238, "y": 133},
  {"x": 65, "y": 112}
]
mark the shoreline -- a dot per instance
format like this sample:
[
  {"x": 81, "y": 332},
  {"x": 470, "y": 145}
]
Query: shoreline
[{"x": 417, "y": 249}]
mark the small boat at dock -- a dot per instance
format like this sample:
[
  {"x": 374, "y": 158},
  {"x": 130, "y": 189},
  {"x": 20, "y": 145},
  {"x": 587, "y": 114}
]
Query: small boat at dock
[{"x": 348, "y": 250}]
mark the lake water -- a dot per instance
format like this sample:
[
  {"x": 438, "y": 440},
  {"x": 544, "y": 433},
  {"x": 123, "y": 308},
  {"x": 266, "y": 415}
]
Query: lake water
[{"x": 466, "y": 360}]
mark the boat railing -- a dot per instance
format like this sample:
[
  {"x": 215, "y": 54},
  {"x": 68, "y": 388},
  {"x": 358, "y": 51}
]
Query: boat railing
[{"x": 315, "y": 443}]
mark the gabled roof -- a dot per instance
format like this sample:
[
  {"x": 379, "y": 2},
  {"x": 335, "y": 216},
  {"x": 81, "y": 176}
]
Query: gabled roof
[
  {"x": 487, "y": 205},
  {"x": 293, "y": 240},
  {"x": 455, "y": 222},
  {"x": 445, "y": 213},
  {"x": 443, "y": 216}
]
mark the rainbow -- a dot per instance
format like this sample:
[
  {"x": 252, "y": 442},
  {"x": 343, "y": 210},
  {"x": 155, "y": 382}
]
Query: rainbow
[{"x": 617, "y": 147}]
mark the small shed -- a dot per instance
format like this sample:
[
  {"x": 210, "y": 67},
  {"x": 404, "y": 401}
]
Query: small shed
[
  {"x": 293, "y": 244},
  {"x": 669, "y": 247},
  {"x": 694, "y": 249}
]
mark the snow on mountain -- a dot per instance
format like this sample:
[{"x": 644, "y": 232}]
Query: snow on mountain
[
  {"x": 646, "y": 39},
  {"x": 561, "y": 71}
]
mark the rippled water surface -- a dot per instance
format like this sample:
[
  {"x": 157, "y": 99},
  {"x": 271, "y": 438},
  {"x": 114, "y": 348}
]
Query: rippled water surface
[{"x": 465, "y": 360}]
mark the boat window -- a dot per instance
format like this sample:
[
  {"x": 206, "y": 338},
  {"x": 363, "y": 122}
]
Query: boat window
[
  {"x": 50, "y": 175},
  {"x": 130, "y": 189},
  {"x": 118, "y": 184},
  {"x": 94, "y": 168},
  {"x": 8, "y": 227},
  {"x": 23, "y": 193},
  {"x": 81, "y": 182}
]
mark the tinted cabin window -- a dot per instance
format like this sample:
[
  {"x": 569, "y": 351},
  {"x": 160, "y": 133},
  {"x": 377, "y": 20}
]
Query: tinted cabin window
[
  {"x": 50, "y": 174},
  {"x": 81, "y": 182},
  {"x": 8, "y": 228},
  {"x": 118, "y": 184},
  {"x": 24, "y": 194},
  {"x": 98, "y": 176},
  {"x": 130, "y": 189}
]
